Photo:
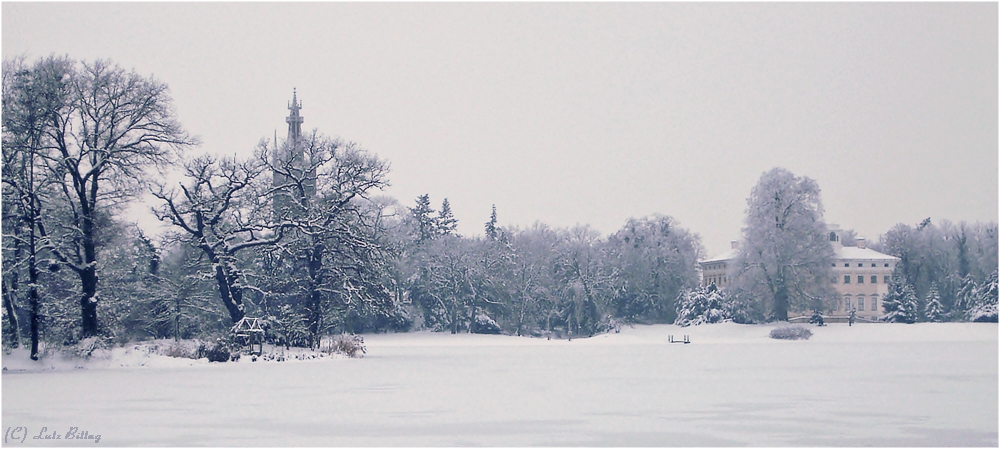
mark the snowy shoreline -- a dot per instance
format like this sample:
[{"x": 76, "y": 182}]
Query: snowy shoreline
[
  {"x": 925, "y": 384},
  {"x": 151, "y": 354},
  {"x": 146, "y": 354}
]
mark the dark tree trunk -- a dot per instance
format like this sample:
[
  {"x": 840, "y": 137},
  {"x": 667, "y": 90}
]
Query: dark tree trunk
[
  {"x": 315, "y": 296},
  {"x": 520, "y": 315},
  {"x": 33, "y": 293},
  {"x": 88, "y": 275},
  {"x": 33, "y": 298},
  {"x": 88, "y": 301},
  {"x": 454, "y": 316},
  {"x": 8, "y": 305},
  {"x": 781, "y": 302},
  {"x": 231, "y": 297},
  {"x": 177, "y": 318},
  {"x": 472, "y": 317},
  {"x": 10, "y": 295}
]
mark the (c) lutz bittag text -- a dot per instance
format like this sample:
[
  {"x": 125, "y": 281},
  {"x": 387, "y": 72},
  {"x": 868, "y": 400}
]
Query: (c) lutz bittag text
[{"x": 22, "y": 434}]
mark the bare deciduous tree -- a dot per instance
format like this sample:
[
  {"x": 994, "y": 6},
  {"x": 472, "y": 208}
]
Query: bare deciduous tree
[
  {"x": 220, "y": 212},
  {"x": 107, "y": 127}
]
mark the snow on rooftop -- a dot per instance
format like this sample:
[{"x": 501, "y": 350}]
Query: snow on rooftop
[
  {"x": 728, "y": 255},
  {"x": 851, "y": 252},
  {"x": 843, "y": 252}
]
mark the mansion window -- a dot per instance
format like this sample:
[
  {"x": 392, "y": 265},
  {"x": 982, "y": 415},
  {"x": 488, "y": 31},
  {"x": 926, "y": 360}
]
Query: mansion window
[
  {"x": 887, "y": 265},
  {"x": 860, "y": 264},
  {"x": 886, "y": 279},
  {"x": 847, "y": 265},
  {"x": 861, "y": 303},
  {"x": 861, "y": 279},
  {"x": 874, "y": 279},
  {"x": 873, "y": 264},
  {"x": 847, "y": 279},
  {"x": 847, "y": 302},
  {"x": 874, "y": 303}
]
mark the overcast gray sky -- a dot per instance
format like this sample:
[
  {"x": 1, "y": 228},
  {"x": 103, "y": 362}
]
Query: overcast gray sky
[{"x": 588, "y": 113}]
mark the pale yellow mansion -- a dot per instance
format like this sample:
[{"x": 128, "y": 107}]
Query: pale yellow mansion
[{"x": 861, "y": 277}]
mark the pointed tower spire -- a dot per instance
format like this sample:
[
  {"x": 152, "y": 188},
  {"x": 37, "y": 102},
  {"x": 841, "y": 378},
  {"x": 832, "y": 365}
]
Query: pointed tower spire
[{"x": 294, "y": 120}]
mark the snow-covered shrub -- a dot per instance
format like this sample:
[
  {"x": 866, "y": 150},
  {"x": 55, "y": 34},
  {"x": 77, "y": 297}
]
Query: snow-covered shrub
[
  {"x": 180, "y": 350},
  {"x": 791, "y": 333},
  {"x": 86, "y": 348},
  {"x": 221, "y": 351},
  {"x": 349, "y": 345},
  {"x": 701, "y": 305},
  {"x": 485, "y": 325}
]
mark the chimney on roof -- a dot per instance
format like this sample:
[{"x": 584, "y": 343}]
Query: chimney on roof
[
  {"x": 735, "y": 244},
  {"x": 860, "y": 242}
]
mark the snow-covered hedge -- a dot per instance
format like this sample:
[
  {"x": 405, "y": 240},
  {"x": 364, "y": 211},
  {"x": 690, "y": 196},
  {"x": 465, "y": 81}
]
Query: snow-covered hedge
[{"x": 791, "y": 333}]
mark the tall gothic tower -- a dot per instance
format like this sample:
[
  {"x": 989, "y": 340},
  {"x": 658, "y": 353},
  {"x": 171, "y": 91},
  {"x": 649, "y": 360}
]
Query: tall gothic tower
[
  {"x": 294, "y": 120},
  {"x": 294, "y": 175}
]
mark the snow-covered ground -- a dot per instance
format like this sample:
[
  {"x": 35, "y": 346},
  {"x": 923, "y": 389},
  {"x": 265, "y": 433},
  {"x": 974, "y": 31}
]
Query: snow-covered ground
[{"x": 866, "y": 385}]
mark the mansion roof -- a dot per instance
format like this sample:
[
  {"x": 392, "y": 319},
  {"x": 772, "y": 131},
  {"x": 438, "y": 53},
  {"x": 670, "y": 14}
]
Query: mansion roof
[{"x": 841, "y": 253}]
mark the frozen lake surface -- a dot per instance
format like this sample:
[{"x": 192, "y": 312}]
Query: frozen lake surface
[{"x": 866, "y": 385}]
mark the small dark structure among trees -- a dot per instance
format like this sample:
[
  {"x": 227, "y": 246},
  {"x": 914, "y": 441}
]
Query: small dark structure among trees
[{"x": 249, "y": 334}]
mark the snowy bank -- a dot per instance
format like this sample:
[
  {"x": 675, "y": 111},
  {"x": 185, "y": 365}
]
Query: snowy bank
[
  {"x": 863, "y": 385},
  {"x": 163, "y": 353}
]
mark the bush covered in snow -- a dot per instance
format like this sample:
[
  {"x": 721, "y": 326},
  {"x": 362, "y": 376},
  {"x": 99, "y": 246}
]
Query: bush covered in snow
[
  {"x": 701, "y": 305},
  {"x": 791, "y": 333},
  {"x": 485, "y": 325},
  {"x": 221, "y": 351},
  {"x": 349, "y": 345},
  {"x": 179, "y": 349},
  {"x": 87, "y": 347}
]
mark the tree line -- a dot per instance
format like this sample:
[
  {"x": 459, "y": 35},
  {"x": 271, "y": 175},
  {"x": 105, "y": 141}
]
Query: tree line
[
  {"x": 946, "y": 272},
  {"x": 308, "y": 244}
]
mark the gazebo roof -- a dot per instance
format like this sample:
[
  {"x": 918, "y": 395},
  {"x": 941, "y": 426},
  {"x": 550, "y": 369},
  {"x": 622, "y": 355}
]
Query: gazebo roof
[{"x": 245, "y": 325}]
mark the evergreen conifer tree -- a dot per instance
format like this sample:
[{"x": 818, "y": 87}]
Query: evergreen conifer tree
[
  {"x": 491, "y": 226},
  {"x": 425, "y": 222},
  {"x": 985, "y": 307},
  {"x": 701, "y": 305},
  {"x": 446, "y": 222},
  {"x": 933, "y": 310},
  {"x": 900, "y": 304}
]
